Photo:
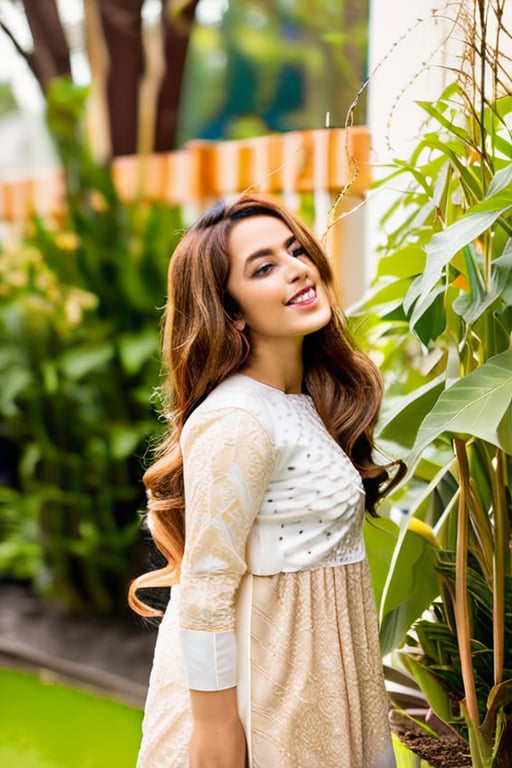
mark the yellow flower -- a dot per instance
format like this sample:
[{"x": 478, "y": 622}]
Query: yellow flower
[{"x": 67, "y": 241}]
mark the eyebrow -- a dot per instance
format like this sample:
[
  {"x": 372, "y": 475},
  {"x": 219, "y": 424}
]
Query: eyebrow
[{"x": 262, "y": 252}]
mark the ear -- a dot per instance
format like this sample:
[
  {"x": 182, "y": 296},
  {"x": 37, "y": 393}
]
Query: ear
[{"x": 239, "y": 323}]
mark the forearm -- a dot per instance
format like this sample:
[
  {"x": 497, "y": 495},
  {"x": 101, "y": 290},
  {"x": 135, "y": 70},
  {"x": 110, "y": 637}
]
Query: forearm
[{"x": 218, "y": 739}]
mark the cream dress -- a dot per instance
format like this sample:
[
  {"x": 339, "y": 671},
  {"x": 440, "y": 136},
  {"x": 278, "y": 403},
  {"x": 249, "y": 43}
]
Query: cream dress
[{"x": 275, "y": 595}]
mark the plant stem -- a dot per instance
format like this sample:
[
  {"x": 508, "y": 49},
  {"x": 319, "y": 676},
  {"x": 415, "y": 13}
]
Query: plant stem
[
  {"x": 461, "y": 606},
  {"x": 501, "y": 536}
]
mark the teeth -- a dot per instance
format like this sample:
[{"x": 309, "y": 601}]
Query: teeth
[{"x": 304, "y": 296}]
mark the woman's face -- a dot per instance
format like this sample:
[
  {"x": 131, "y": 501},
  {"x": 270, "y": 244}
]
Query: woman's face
[{"x": 275, "y": 284}]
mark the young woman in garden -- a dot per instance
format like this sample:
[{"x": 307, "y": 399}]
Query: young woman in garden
[{"x": 268, "y": 652}]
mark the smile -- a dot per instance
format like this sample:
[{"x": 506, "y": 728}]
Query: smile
[{"x": 306, "y": 296}]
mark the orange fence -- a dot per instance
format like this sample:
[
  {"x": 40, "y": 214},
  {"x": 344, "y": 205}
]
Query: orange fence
[{"x": 320, "y": 162}]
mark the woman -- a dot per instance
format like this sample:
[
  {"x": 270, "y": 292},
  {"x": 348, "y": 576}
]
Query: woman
[{"x": 268, "y": 653}]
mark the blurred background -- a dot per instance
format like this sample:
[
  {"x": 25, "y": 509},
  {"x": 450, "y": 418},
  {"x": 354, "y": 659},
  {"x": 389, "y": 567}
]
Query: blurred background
[
  {"x": 100, "y": 103},
  {"x": 120, "y": 121},
  {"x": 227, "y": 70}
]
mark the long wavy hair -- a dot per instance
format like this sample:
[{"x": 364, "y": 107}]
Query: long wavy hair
[{"x": 201, "y": 346}]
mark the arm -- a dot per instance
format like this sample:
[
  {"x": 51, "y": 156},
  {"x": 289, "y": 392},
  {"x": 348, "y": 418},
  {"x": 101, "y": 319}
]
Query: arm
[
  {"x": 218, "y": 739},
  {"x": 228, "y": 460}
]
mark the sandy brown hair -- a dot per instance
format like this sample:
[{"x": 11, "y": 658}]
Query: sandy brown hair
[{"x": 201, "y": 346}]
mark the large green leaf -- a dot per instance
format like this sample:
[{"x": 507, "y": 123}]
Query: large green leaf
[
  {"x": 380, "y": 537},
  {"x": 411, "y": 585},
  {"x": 386, "y": 296},
  {"x": 444, "y": 245},
  {"x": 407, "y": 413},
  {"x": 478, "y": 405},
  {"x": 434, "y": 691},
  {"x": 405, "y": 262},
  {"x": 428, "y": 318},
  {"x": 471, "y": 307}
]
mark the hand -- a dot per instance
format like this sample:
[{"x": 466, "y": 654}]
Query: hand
[
  {"x": 218, "y": 738},
  {"x": 218, "y": 745}
]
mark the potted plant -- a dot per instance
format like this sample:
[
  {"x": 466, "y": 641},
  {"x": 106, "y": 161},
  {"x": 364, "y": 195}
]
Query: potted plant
[{"x": 442, "y": 304}]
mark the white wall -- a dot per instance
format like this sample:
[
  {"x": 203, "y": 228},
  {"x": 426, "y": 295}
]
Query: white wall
[{"x": 407, "y": 54}]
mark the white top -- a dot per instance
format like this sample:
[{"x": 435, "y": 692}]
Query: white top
[{"x": 267, "y": 490}]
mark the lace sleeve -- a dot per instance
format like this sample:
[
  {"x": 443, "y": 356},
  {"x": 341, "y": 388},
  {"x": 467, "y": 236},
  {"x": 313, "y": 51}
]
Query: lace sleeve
[{"x": 228, "y": 459}]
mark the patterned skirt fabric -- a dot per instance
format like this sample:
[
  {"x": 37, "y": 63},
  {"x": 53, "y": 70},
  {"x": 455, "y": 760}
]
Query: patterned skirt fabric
[{"x": 311, "y": 691}]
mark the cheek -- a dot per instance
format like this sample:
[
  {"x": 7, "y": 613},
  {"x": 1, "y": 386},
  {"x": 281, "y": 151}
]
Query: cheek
[{"x": 260, "y": 293}]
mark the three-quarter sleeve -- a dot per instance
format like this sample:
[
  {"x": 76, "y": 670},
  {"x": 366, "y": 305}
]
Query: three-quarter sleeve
[{"x": 228, "y": 460}]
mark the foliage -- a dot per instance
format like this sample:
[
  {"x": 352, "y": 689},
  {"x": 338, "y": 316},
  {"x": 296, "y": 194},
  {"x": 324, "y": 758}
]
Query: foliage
[
  {"x": 79, "y": 359},
  {"x": 274, "y": 67},
  {"x": 440, "y": 316}
]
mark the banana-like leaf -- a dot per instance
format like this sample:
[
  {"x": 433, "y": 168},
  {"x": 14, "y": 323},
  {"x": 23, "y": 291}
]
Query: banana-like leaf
[
  {"x": 411, "y": 585},
  {"x": 380, "y": 537},
  {"x": 408, "y": 411},
  {"x": 480, "y": 405}
]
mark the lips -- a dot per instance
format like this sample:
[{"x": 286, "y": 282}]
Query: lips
[{"x": 303, "y": 296}]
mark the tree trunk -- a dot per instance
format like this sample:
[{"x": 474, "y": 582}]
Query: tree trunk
[
  {"x": 122, "y": 27},
  {"x": 176, "y": 33},
  {"x": 97, "y": 117},
  {"x": 50, "y": 57}
]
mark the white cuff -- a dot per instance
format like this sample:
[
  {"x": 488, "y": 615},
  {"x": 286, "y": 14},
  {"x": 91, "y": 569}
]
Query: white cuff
[{"x": 210, "y": 659}]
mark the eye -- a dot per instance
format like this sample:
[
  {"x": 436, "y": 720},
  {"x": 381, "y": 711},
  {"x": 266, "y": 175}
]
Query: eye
[
  {"x": 263, "y": 270},
  {"x": 299, "y": 250}
]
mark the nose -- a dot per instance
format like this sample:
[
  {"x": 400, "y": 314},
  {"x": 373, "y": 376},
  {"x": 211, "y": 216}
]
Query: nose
[{"x": 296, "y": 269}]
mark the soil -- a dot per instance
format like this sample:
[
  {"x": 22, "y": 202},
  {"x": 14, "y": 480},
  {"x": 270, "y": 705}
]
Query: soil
[
  {"x": 447, "y": 750},
  {"x": 114, "y": 657}
]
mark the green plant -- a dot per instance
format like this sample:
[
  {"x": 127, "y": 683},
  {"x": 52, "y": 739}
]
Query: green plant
[
  {"x": 443, "y": 300},
  {"x": 79, "y": 361}
]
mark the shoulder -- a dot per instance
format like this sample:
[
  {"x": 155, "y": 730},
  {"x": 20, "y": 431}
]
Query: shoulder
[
  {"x": 236, "y": 404},
  {"x": 236, "y": 393}
]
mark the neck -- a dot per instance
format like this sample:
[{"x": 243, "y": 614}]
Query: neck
[{"x": 278, "y": 367}]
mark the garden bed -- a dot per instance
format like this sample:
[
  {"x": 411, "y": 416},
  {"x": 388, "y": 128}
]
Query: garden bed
[{"x": 446, "y": 751}]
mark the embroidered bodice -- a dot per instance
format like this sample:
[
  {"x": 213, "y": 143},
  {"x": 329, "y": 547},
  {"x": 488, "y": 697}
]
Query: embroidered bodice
[{"x": 267, "y": 490}]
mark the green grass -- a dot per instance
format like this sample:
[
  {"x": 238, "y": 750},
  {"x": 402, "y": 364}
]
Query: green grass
[{"x": 48, "y": 725}]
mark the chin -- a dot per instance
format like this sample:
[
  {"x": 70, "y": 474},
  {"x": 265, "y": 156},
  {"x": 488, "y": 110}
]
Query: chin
[{"x": 323, "y": 321}]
